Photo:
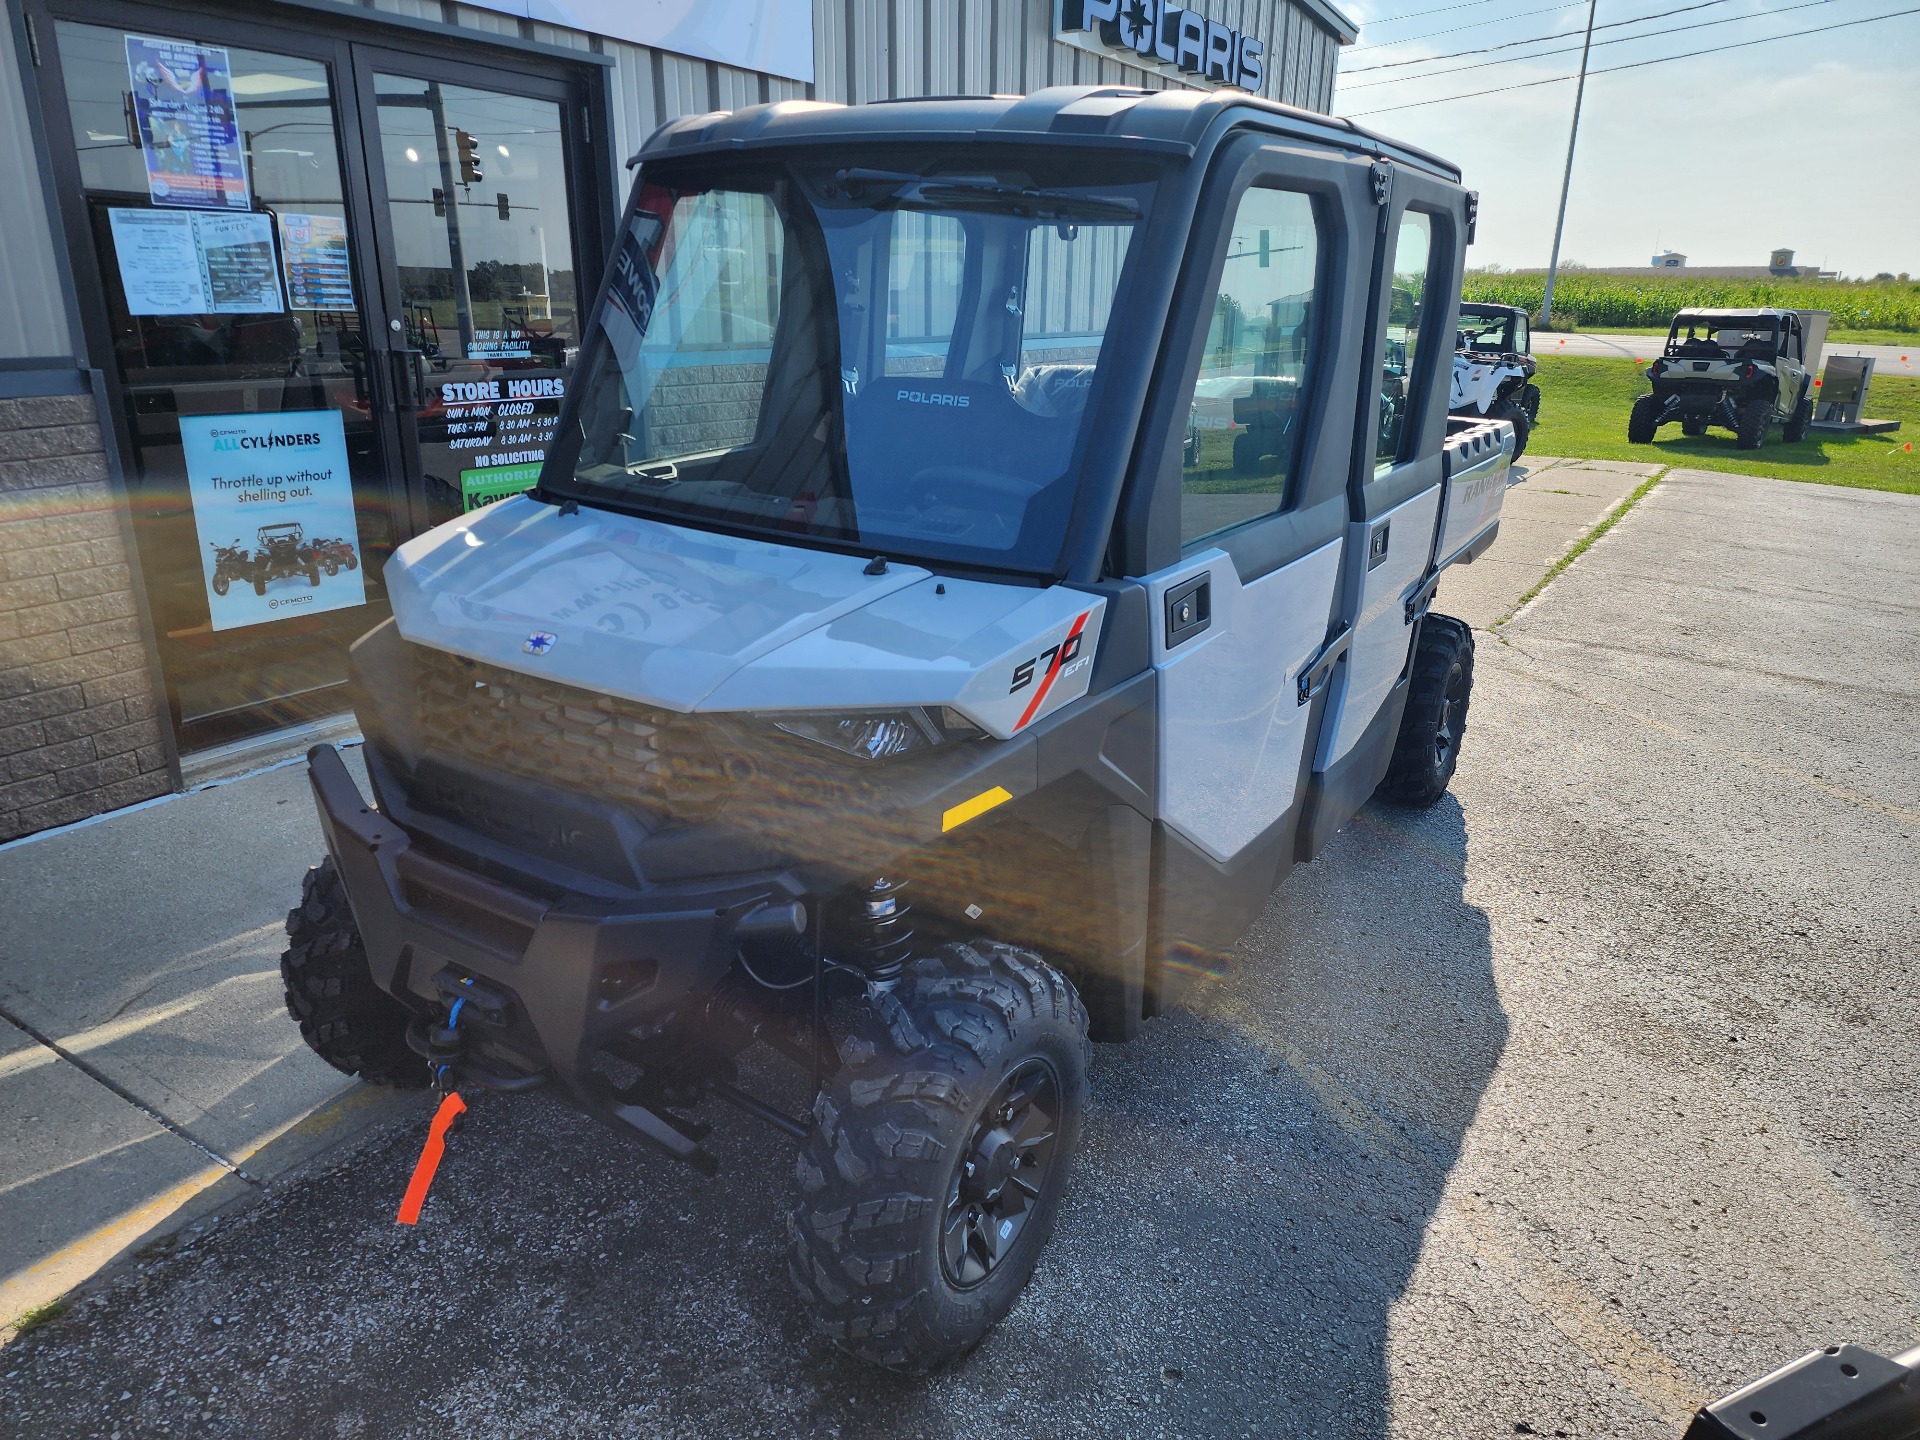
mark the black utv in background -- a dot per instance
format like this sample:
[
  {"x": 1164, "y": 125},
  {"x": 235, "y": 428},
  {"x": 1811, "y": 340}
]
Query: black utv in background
[{"x": 1743, "y": 370}]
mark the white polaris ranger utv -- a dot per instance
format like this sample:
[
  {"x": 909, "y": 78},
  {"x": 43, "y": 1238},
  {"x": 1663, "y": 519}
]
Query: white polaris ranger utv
[{"x": 877, "y": 673}]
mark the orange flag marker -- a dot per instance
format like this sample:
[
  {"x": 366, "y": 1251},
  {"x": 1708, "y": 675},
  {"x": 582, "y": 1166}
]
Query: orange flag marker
[{"x": 450, "y": 1110}]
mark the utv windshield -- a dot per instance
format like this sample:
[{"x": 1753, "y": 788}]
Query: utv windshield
[
  {"x": 895, "y": 355},
  {"x": 1750, "y": 337},
  {"x": 1501, "y": 334}
]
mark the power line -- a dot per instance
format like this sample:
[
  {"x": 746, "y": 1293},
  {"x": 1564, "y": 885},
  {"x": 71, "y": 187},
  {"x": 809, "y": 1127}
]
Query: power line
[
  {"x": 1569, "y": 49},
  {"x": 1422, "y": 14},
  {"x": 1637, "y": 64},
  {"x": 1455, "y": 30},
  {"x": 1536, "y": 40}
]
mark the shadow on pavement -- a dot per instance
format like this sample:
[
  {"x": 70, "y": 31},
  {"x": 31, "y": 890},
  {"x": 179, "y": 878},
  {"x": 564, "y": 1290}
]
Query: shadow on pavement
[{"x": 1258, "y": 1173}]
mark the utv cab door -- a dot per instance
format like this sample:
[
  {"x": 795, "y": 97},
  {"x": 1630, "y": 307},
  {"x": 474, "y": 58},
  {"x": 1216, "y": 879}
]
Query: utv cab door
[
  {"x": 1395, "y": 490},
  {"x": 1237, "y": 522}
]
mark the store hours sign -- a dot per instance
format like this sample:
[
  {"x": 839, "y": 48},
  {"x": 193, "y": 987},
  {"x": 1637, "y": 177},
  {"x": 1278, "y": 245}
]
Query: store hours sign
[{"x": 1159, "y": 33}]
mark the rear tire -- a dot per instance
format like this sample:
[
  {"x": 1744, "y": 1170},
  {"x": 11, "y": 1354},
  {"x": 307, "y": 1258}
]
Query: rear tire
[
  {"x": 1795, "y": 430},
  {"x": 1515, "y": 414},
  {"x": 346, "y": 1019},
  {"x": 1428, "y": 748},
  {"x": 1755, "y": 416},
  {"x": 905, "y": 1257},
  {"x": 1530, "y": 402},
  {"x": 1643, "y": 420}
]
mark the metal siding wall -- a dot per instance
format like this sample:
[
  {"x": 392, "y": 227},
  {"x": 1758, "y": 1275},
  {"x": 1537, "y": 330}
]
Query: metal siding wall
[
  {"x": 33, "y": 317},
  {"x": 880, "y": 49}
]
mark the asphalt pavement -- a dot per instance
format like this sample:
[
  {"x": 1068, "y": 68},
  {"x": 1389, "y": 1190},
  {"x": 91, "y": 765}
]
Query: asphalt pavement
[
  {"x": 1555, "y": 1109},
  {"x": 1888, "y": 359}
]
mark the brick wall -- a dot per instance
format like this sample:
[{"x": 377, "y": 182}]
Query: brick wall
[{"x": 79, "y": 727}]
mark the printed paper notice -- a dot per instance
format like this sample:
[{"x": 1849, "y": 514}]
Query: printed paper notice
[
  {"x": 177, "y": 263},
  {"x": 189, "y": 129},
  {"x": 313, "y": 250},
  {"x": 273, "y": 503}
]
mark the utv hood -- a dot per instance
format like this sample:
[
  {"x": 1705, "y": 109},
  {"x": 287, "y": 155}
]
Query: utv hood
[{"x": 689, "y": 620}]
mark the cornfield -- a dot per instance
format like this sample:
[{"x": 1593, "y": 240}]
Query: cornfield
[{"x": 1583, "y": 298}]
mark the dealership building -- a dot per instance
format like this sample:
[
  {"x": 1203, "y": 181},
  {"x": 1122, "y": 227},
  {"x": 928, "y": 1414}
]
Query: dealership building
[{"x": 285, "y": 283}]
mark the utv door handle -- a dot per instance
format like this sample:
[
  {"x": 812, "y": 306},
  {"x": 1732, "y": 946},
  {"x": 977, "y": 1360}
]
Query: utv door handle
[
  {"x": 1189, "y": 609},
  {"x": 1315, "y": 674}
]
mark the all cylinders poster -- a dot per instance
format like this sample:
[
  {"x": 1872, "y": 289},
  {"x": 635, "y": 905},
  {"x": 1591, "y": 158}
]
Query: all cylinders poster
[
  {"x": 189, "y": 130},
  {"x": 273, "y": 502}
]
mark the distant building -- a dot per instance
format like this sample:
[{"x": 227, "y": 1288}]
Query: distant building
[
  {"x": 1669, "y": 260},
  {"x": 1779, "y": 266}
]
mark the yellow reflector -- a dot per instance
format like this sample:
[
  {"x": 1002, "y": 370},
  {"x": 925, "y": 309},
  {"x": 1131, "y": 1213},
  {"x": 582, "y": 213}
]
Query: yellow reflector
[{"x": 979, "y": 805}]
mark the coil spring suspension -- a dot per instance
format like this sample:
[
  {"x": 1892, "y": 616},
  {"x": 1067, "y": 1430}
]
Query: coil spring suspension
[{"x": 884, "y": 931}]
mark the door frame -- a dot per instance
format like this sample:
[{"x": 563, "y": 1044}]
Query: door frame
[
  {"x": 586, "y": 232},
  {"x": 319, "y": 32}
]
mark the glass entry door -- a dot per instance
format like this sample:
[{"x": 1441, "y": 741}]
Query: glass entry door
[
  {"x": 484, "y": 282},
  {"x": 339, "y": 289}
]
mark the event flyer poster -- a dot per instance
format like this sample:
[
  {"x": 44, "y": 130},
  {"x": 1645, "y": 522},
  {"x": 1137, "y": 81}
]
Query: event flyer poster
[
  {"x": 313, "y": 250},
  {"x": 273, "y": 503},
  {"x": 189, "y": 129},
  {"x": 195, "y": 263}
]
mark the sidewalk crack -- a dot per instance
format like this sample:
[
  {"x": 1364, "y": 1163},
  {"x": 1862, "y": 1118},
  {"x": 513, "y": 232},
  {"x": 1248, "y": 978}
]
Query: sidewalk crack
[{"x": 101, "y": 1078}]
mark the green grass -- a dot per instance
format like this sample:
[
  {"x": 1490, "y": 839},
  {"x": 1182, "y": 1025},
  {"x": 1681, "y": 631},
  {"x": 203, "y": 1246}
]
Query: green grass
[
  {"x": 1613, "y": 518},
  {"x": 1834, "y": 337},
  {"x": 1583, "y": 300},
  {"x": 38, "y": 1316},
  {"x": 1583, "y": 415}
]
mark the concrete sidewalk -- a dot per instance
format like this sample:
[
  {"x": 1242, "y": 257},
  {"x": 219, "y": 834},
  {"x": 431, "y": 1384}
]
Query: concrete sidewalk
[
  {"x": 148, "y": 1071},
  {"x": 149, "y": 1074}
]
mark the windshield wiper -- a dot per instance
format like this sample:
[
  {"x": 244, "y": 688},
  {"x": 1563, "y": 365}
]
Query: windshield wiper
[{"x": 1019, "y": 200}]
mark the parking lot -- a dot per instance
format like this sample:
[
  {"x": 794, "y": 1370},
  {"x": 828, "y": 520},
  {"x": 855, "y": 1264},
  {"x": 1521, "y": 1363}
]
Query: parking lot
[{"x": 1557, "y": 1109}]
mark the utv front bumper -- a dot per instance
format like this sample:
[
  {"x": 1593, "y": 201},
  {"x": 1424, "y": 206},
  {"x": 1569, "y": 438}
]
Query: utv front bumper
[{"x": 553, "y": 981}]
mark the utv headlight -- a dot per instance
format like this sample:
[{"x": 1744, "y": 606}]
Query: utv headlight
[{"x": 878, "y": 734}]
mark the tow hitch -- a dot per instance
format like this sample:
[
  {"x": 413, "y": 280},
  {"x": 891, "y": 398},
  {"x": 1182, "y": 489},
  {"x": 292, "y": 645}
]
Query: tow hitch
[{"x": 445, "y": 1047}]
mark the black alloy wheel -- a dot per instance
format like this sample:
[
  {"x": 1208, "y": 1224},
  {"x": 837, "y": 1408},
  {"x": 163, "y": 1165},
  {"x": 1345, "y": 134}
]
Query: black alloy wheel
[
  {"x": 1001, "y": 1175},
  {"x": 1453, "y": 718}
]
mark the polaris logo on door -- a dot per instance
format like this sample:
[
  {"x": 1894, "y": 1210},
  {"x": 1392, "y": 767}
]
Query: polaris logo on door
[
  {"x": 540, "y": 642},
  {"x": 934, "y": 397},
  {"x": 1158, "y": 32}
]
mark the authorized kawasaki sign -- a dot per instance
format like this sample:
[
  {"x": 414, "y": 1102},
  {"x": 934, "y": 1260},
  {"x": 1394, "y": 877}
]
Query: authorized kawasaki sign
[{"x": 1157, "y": 32}]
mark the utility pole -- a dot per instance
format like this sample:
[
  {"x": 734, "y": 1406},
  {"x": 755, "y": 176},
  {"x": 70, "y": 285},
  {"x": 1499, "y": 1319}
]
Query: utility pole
[{"x": 1566, "y": 181}]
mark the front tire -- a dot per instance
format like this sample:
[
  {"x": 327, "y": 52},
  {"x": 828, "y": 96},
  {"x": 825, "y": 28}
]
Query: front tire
[
  {"x": 1428, "y": 748},
  {"x": 1755, "y": 416},
  {"x": 346, "y": 1019},
  {"x": 1643, "y": 420},
  {"x": 939, "y": 1152},
  {"x": 220, "y": 582}
]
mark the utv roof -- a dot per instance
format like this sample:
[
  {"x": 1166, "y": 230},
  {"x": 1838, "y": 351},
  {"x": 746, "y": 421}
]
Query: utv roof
[
  {"x": 1741, "y": 312},
  {"x": 1169, "y": 122}
]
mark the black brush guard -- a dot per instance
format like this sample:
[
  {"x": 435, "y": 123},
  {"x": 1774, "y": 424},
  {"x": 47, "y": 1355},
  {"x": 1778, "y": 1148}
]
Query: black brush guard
[{"x": 550, "y": 983}]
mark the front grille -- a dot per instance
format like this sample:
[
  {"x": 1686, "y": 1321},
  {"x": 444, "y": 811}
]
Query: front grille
[{"x": 634, "y": 755}]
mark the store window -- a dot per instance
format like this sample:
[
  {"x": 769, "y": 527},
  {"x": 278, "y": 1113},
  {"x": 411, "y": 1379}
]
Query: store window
[
  {"x": 1243, "y": 429},
  {"x": 322, "y": 340}
]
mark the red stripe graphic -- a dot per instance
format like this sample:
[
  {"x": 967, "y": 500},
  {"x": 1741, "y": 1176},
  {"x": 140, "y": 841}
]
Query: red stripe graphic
[{"x": 1046, "y": 684}]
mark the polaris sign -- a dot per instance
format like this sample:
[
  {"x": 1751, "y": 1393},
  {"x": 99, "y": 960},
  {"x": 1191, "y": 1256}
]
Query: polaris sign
[{"x": 1157, "y": 32}]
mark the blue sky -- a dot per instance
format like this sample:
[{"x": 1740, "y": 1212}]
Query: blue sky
[{"x": 1812, "y": 143}]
